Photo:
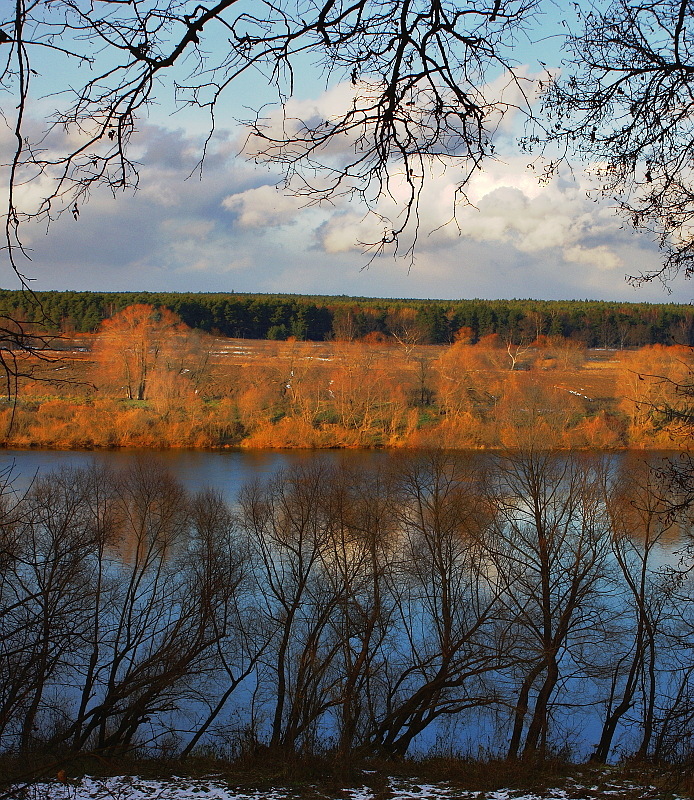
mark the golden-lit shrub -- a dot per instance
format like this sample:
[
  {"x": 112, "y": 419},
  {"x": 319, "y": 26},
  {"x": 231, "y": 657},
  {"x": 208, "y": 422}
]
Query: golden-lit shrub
[
  {"x": 288, "y": 432},
  {"x": 600, "y": 432},
  {"x": 463, "y": 431},
  {"x": 353, "y": 394},
  {"x": 651, "y": 387}
]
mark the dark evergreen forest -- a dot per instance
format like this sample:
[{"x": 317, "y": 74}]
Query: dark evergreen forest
[{"x": 317, "y": 318}]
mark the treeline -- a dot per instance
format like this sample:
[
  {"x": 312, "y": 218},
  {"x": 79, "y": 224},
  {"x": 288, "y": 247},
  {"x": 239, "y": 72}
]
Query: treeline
[
  {"x": 593, "y": 323},
  {"x": 516, "y": 608}
]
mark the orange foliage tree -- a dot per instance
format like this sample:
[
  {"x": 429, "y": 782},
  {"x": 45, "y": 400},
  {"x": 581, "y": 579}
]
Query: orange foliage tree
[
  {"x": 141, "y": 346},
  {"x": 654, "y": 387},
  {"x": 367, "y": 397}
]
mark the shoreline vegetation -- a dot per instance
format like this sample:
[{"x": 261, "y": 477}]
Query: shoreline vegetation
[
  {"x": 145, "y": 379},
  {"x": 317, "y": 778}
]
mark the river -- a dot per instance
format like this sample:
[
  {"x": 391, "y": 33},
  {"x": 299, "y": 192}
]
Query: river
[
  {"x": 224, "y": 472},
  {"x": 228, "y": 471},
  {"x": 415, "y": 594}
]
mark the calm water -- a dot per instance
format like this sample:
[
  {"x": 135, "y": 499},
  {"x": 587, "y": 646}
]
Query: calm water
[
  {"x": 224, "y": 472},
  {"x": 227, "y": 472}
]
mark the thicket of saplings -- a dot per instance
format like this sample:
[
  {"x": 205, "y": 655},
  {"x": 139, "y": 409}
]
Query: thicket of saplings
[
  {"x": 520, "y": 610},
  {"x": 158, "y": 385}
]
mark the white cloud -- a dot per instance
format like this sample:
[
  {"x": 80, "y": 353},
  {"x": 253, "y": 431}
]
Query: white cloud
[
  {"x": 600, "y": 257},
  {"x": 520, "y": 239},
  {"x": 506, "y": 204},
  {"x": 516, "y": 92},
  {"x": 263, "y": 207},
  {"x": 348, "y": 232},
  {"x": 280, "y": 123}
]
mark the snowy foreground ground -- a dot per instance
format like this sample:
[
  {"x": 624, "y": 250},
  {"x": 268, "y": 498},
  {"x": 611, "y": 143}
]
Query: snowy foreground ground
[{"x": 133, "y": 788}]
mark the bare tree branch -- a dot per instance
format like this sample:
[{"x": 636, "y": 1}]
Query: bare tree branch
[
  {"x": 626, "y": 102},
  {"x": 420, "y": 76}
]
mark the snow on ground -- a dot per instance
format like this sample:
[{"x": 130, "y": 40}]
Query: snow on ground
[{"x": 175, "y": 788}]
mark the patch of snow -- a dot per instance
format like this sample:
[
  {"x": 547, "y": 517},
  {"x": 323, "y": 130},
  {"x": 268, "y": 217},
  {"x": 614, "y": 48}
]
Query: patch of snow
[
  {"x": 213, "y": 788},
  {"x": 134, "y": 788},
  {"x": 575, "y": 393},
  {"x": 359, "y": 794}
]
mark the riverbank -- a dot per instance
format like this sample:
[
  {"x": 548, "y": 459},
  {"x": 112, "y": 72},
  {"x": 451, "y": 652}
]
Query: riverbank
[{"x": 433, "y": 779}]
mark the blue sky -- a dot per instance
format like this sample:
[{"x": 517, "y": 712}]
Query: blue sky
[{"x": 230, "y": 229}]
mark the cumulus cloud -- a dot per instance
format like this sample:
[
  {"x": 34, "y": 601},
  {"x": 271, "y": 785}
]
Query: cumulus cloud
[
  {"x": 279, "y": 123},
  {"x": 517, "y": 92},
  {"x": 348, "y": 232},
  {"x": 600, "y": 257},
  {"x": 518, "y": 239},
  {"x": 535, "y": 217},
  {"x": 555, "y": 217},
  {"x": 262, "y": 207},
  {"x": 505, "y": 204}
]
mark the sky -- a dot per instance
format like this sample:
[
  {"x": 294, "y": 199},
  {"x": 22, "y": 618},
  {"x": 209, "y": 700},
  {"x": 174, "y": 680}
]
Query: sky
[{"x": 229, "y": 229}]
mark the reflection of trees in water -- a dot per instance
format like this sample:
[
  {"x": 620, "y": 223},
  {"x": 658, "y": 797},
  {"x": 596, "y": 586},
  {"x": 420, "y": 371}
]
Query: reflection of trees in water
[{"x": 350, "y": 609}]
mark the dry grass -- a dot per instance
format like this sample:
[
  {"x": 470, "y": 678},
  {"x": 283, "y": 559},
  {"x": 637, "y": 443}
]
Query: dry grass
[{"x": 325, "y": 777}]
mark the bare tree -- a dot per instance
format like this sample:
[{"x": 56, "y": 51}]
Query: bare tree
[
  {"x": 102, "y": 531},
  {"x": 164, "y": 604},
  {"x": 25, "y": 353},
  {"x": 624, "y": 100},
  {"x": 48, "y": 614},
  {"x": 641, "y": 521},
  {"x": 421, "y": 78},
  {"x": 672, "y": 740},
  {"x": 549, "y": 546},
  {"x": 516, "y": 350},
  {"x": 287, "y": 524},
  {"x": 219, "y": 571},
  {"x": 362, "y": 533},
  {"x": 357, "y": 609},
  {"x": 430, "y": 85},
  {"x": 443, "y": 639}
]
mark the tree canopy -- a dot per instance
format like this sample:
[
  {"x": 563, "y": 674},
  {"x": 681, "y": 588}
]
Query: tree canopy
[
  {"x": 431, "y": 84},
  {"x": 596, "y": 324},
  {"x": 625, "y": 103}
]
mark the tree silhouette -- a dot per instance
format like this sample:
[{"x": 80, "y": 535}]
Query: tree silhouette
[
  {"x": 624, "y": 100},
  {"x": 422, "y": 81}
]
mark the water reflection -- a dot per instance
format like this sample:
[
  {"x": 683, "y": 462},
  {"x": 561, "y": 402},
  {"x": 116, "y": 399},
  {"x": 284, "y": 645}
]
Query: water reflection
[
  {"x": 371, "y": 601},
  {"x": 228, "y": 471},
  {"x": 224, "y": 472}
]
